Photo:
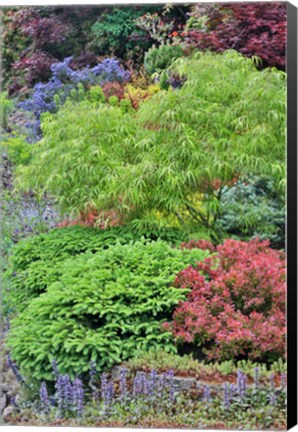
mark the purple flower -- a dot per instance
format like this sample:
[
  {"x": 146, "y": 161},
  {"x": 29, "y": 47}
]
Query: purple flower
[
  {"x": 59, "y": 387},
  {"x": 137, "y": 385},
  {"x": 283, "y": 380},
  {"x": 206, "y": 394},
  {"x": 78, "y": 396},
  {"x": 15, "y": 369},
  {"x": 104, "y": 385},
  {"x": 63, "y": 81},
  {"x": 241, "y": 383},
  {"x": 272, "y": 382},
  {"x": 92, "y": 374},
  {"x": 55, "y": 369},
  {"x": 67, "y": 392},
  {"x": 273, "y": 399},
  {"x": 123, "y": 383},
  {"x": 44, "y": 397},
  {"x": 226, "y": 397},
  {"x": 170, "y": 381}
]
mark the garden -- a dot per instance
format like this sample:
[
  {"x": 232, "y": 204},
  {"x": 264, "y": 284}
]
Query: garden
[{"x": 143, "y": 216}]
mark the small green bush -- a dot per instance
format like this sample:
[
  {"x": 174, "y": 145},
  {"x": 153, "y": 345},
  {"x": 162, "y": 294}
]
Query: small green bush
[
  {"x": 35, "y": 261},
  {"x": 6, "y": 106},
  {"x": 103, "y": 307},
  {"x": 18, "y": 149},
  {"x": 96, "y": 95},
  {"x": 158, "y": 59},
  {"x": 113, "y": 100}
]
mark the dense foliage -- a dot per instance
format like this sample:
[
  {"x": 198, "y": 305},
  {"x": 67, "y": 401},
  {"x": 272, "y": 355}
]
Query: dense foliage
[
  {"x": 252, "y": 208},
  {"x": 101, "y": 307},
  {"x": 236, "y": 307},
  {"x": 142, "y": 166},
  {"x": 34, "y": 262},
  {"x": 254, "y": 29},
  {"x": 36, "y": 37},
  {"x": 227, "y": 119}
]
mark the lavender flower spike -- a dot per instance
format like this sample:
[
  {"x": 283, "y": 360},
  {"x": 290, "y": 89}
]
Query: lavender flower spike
[
  {"x": 78, "y": 393},
  {"x": 123, "y": 384},
  {"x": 226, "y": 398},
  {"x": 44, "y": 397},
  {"x": 206, "y": 394}
]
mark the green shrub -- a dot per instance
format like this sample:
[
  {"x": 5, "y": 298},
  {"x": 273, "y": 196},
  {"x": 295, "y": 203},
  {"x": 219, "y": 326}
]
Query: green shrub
[
  {"x": 251, "y": 208},
  {"x": 113, "y": 100},
  {"x": 158, "y": 59},
  {"x": 102, "y": 307},
  {"x": 35, "y": 261},
  {"x": 6, "y": 106},
  {"x": 18, "y": 149},
  {"x": 96, "y": 95}
]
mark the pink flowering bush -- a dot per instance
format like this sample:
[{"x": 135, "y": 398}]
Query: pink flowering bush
[{"x": 236, "y": 306}]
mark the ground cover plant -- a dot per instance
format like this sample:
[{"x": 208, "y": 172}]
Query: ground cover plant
[
  {"x": 143, "y": 216},
  {"x": 153, "y": 398}
]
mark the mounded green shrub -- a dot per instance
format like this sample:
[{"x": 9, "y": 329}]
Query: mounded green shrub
[
  {"x": 103, "y": 307},
  {"x": 35, "y": 261}
]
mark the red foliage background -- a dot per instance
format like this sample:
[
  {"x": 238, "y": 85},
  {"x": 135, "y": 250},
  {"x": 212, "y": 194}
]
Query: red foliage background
[{"x": 254, "y": 29}]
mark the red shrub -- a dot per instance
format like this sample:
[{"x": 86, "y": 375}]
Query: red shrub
[
  {"x": 36, "y": 66},
  {"x": 254, "y": 29},
  {"x": 94, "y": 218},
  {"x": 236, "y": 306},
  {"x": 113, "y": 89}
]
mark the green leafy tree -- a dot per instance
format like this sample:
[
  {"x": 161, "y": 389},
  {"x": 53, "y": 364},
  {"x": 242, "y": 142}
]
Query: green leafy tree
[{"x": 177, "y": 153}]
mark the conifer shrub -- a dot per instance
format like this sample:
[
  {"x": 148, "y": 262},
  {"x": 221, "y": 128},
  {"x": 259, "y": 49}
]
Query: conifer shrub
[
  {"x": 35, "y": 261},
  {"x": 236, "y": 306},
  {"x": 252, "y": 208},
  {"x": 102, "y": 307}
]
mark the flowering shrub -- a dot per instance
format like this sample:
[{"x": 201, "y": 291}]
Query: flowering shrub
[
  {"x": 101, "y": 307},
  {"x": 148, "y": 398},
  {"x": 48, "y": 97},
  {"x": 236, "y": 307}
]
